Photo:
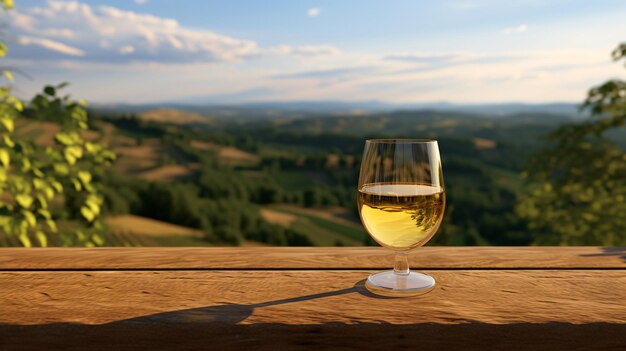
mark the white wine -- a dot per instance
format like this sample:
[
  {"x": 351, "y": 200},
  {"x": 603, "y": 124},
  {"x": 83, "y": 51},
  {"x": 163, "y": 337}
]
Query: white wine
[
  {"x": 401, "y": 216},
  {"x": 401, "y": 202}
]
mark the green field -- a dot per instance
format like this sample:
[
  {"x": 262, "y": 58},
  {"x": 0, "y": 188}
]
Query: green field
[{"x": 325, "y": 232}]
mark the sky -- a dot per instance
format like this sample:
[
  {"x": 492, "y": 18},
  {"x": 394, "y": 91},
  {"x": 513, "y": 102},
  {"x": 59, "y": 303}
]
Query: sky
[{"x": 236, "y": 51}]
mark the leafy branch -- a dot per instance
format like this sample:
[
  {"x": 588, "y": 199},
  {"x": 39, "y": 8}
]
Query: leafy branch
[{"x": 34, "y": 177}]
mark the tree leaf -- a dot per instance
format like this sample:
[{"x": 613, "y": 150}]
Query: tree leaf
[
  {"x": 77, "y": 185},
  {"x": 5, "y": 159},
  {"x": 39, "y": 184},
  {"x": 8, "y": 141},
  {"x": 87, "y": 214},
  {"x": 24, "y": 240},
  {"x": 50, "y": 90},
  {"x": 94, "y": 207},
  {"x": 65, "y": 138},
  {"x": 79, "y": 114},
  {"x": 9, "y": 75},
  {"x": 44, "y": 213},
  {"x": 97, "y": 239},
  {"x": 30, "y": 218},
  {"x": 26, "y": 165},
  {"x": 91, "y": 148},
  {"x": 84, "y": 177},
  {"x": 57, "y": 186},
  {"x": 52, "y": 225},
  {"x": 13, "y": 101},
  {"x": 70, "y": 158},
  {"x": 72, "y": 153},
  {"x": 7, "y": 122},
  {"x": 49, "y": 193},
  {"x": 61, "y": 169},
  {"x": 41, "y": 237},
  {"x": 24, "y": 200}
]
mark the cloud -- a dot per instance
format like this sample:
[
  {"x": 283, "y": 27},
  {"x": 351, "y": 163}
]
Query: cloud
[
  {"x": 128, "y": 49},
  {"x": 426, "y": 62},
  {"x": 312, "y": 50},
  {"x": 108, "y": 34},
  {"x": 141, "y": 2},
  {"x": 522, "y": 28},
  {"x": 313, "y": 12},
  {"x": 335, "y": 73},
  {"x": 446, "y": 76},
  {"x": 59, "y": 32},
  {"x": 426, "y": 58},
  {"x": 51, "y": 45},
  {"x": 531, "y": 76}
]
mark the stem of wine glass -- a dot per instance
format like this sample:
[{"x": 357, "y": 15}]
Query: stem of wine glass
[{"x": 401, "y": 266}]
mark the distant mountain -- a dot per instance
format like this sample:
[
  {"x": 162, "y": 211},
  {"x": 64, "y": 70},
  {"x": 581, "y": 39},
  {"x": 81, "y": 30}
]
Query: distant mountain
[
  {"x": 377, "y": 106},
  {"x": 568, "y": 109},
  {"x": 299, "y": 109}
]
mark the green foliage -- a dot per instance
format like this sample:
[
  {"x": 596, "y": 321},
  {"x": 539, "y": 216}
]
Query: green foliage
[
  {"x": 577, "y": 188},
  {"x": 33, "y": 177}
]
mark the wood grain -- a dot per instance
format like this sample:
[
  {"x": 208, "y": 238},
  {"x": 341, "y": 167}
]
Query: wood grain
[
  {"x": 312, "y": 258},
  {"x": 308, "y": 298},
  {"x": 285, "y": 310},
  {"x": 487, "y": 298}
]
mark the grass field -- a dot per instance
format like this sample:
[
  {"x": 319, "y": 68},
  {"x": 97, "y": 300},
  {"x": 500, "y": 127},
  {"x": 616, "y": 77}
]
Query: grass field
[
  {"x": 324, "y": 228},
  {"x": 152, "y": 160},
  {"x": 167, "y": 173},
  {"x": 276, "y": 217},
  {"x": 130, "y": 230},
  {"x": 172, "y": 116},
  {"x": 480, "y": 143},
  {"x": 227, "y": 154}
]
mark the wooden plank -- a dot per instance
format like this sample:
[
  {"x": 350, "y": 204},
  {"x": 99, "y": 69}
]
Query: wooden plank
[
  {"x": 276, "y": 310},
  {"x": 311, "y": 258},
  {"x": 308, "y": 298}
]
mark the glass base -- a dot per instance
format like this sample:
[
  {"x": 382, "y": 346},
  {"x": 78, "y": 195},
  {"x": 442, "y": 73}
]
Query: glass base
[{"x": 391, "y": 284}]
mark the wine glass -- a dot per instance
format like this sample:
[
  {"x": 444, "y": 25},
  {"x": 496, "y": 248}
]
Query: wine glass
[{"x": 401, "y": 204}]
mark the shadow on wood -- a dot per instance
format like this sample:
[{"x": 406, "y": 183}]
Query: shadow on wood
[
  {"x": 223, "y": 327},
  {"x": 609, "y": 251},
  {"x": 236, "y": 313}
]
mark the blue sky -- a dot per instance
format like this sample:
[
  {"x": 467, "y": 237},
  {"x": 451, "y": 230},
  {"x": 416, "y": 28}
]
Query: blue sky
[{"x": 462, "y": 51}]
